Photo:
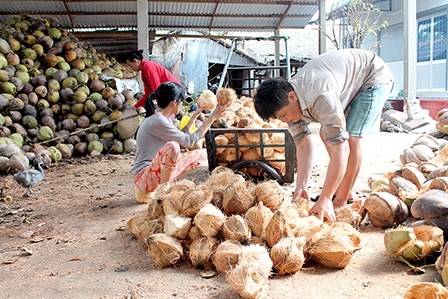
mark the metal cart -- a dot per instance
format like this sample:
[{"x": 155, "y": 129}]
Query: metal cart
[{"x": 264, "y": 162}]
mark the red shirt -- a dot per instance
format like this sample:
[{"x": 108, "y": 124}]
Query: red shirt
[{"x": 153, "y": 74}]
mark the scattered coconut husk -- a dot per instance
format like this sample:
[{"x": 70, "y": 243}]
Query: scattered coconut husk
[
  {"x": 177, "y": 226},
  {"x": 250, "y": 276},
  {"x": 227, "y": 255},
  {"x": 195, "y": 199},
  {"x": 142, "y": 227},
  {"x": 258, "y": 217},
  {"x": 235, "y": 228},
  {"x": 238, "y": 197},
  {"x": 201, "y": 252},
  {"x": 334, "y": 245},
  {"x": 164, "y": 250},
  {"x": 287, "y": 255},
  {"x": 426, "y": 290},
  {"x": 270, "y": 193},
  {"x": 209, "y": 220}
]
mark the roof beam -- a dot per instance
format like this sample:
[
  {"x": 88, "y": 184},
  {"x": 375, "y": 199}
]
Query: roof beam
[
  {"x": 67, "y": 9},
  {"x": 213, "y": 16}
]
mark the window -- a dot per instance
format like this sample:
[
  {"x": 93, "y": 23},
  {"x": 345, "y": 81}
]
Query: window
[{"x": 432, "y": 39}]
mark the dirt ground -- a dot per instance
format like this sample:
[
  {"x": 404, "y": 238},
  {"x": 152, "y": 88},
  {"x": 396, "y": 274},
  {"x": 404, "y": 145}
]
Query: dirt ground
[{"x": 68, "y": 240}]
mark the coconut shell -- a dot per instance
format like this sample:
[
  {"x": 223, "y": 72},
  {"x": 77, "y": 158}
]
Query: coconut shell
[
  {"x": 177, "y": 226},
  {"x": 442, "y": 264},
  {"x": 334, "y": 246},
  {"x": 238, "y": 197},
  {"x": 258, "y": 218},
  {"x": 235, "y": 228},
  {"x": 426, "y": 290},
  {"x": 398, "y": 185},
  {"x": 270, "y": 193},
  {"x": 201, "y": 252},
  {"x": 431, "y": 204},
  {"x": 209, "y": 220},
  {"x": 385, "y": 209},
  {"x": 172, "y": 195},
  {"x": 164, "y": 250},
  {"x": 412, "y": 174},
  {"x": 250, "y": 276},
  {"x": 195, "y": 199},
  {"x": 227, "y": 255},
  {"x": 287, "y": 255}
]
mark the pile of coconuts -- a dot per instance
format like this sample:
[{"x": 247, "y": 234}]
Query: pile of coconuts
[
  {"x": 52, "y": 96},
  {"x": 233, "y": 226}
]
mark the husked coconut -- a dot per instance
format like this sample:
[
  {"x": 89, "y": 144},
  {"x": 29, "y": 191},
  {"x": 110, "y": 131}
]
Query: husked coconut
[
  {"x": 442, "y": 264},
  {"x": 209, "y": 220},
  {"x": 276, "y": 160},
  {"x": 258, "y": 217},
  {"x": 334, "y": 245},
  {"x": 250, "y": 276},
  {"x": 270, "y": 193},
  {"x": 229, "y": 154},
  {"x": 201, "y": 252},
  {"x": 426, "y": 290},
  {"x": 177, "y": 226},
  {"x": 256, "y": 241},
  {"x": 235, "y": 228},
  {"x": 164, "y": 250},
  {"x": 227, "y": 255},
  {"x": 238, "y": 197},
  {"x": 287, "y": 255},
  {"x": 142, "y": 228},
  {"x": 218, "y": 182},
  {"x": 195, "y": 199},
  {"x": 278, "y": 139},
  {"x": 220, "y": 169}
]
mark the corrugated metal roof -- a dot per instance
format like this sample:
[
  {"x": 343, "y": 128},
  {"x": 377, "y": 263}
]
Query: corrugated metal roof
[{"x": 96, "y": 17}]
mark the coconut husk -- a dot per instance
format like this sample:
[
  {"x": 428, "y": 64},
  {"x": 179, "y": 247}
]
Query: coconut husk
[
  {"x": 431, "y": 204},
  {"x": 439, "y": 171},
  {"x": 267, "y": 151},
  {"x": 256, "y": 241},
  {"x": 235, "y": 228},
  {"x": 142, "y": 196},
  {"x": 442, "y": 264},
  {"x": 250, "y": 276},
  {"x": 164, "y": 250},
  {"x": 195, "y": 199},
  {"x": 227, "y": 255},
  {"x": 177, "y": 226},
  {"x": 226, "y": 96},
  {"x": 218, "y": 182},
  {"x": 426, "y": 290},
  {"x": 278, "y": 139},
  {"x": 426, "y": 168},
  {"x": 193, "y": 234},
  {"x": 308, "y": 227},
  {"x": 201, "y": 252},
  {"x": 278, "y": 228},
  {"x": 250, "y": 154},
  {"x": 243, "y": 144},
  {"x": 172, "y": 198},
  {"x": 404, "y": 189},
  {"x": 270, "y": 193},
  {"x": 287, "y": 255},
  {"x": 221, "y": 140},
  {"x": 229, "y": 154},
  {"x": 385, "y": 209},
  {"x": 238, "y": 197},
  {"x": 209, "y": 220},
  {"x": 155, "y": 208},
  {"x": 277, "y": 165},
  {"x": 334, "y": 245},
  {"x": 219, "y": 169},
  {"x": 142, "y": 227},
  {"x": 348, "y": 215},
  {"x": 440, "y": 183},
  {"x": 302, "y": 205},
  {"x": 258, "y": 217}
]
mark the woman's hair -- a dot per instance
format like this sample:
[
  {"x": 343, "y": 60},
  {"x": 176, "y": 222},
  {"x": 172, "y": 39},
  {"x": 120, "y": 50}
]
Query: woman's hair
[
  {"x": 271, "y": 96},
  {"x": 164, "y": 95},
  {"x": 130, "y": 56}
]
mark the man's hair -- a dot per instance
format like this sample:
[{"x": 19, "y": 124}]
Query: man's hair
[
  {"x": 271, "y": 96},
  {"x": 129, "y": 56}
]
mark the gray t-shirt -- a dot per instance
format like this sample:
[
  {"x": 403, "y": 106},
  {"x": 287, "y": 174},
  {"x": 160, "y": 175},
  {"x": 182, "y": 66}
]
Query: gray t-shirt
[
  {"x": 153, "y": 134},
  {"x": 327, "y": 84}
]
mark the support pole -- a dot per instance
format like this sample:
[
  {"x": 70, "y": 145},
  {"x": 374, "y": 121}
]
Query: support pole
[
  {"x": 410, "y": 56},
  {"x": 143, "y": 24},
  {"x": 323, "y": 27},
  {"x": 226, "y": 66}
]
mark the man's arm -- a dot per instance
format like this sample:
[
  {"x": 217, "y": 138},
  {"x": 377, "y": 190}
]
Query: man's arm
[{"x": 305, "y": 161}]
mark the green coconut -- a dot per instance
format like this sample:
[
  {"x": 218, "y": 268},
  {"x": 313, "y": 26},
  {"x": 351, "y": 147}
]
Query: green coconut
[
  {"x": 45, "y": 133},
  {"x": 55, "y": 154},
  {"x": 95, "y": 146}
]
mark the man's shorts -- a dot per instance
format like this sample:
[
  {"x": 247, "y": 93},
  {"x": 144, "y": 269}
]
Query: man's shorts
[{"x": 365, "y": 110}]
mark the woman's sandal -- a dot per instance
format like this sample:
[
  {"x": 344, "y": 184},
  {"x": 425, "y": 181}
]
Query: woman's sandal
[{"x": 349, "y": 201}]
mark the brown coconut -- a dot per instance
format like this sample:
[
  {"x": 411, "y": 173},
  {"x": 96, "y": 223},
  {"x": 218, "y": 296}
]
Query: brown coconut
[
  {"x": 243, "y": 144},
  {"x": 164, "y": 250},
  {"x": 278, "y": 228},
  {"x": 287, "y": 255},
  {"x": 227, "y": 255},
  {"x": 201, "y": 252},
  {"x": 172, "y": 198},
  {"x": 426, "y": 290},
  {"x": 278, "y": 165},
  {"x": 194, "y": 234},
  {"x": 278, "y": 139},
  {"x": 334, "y": 245},
  {"x": 229, "y": 154},
  {"x": 209, "y": 220},
  {"x": 218, "y": 182},
  {"x": 412, "y": 174},
  {"x": 307, "y": 227},
  {"x": 302, "y": 205},
  {"x": 348, "y": 215},
  {"x": 250, "y": 276},
  {"x": 270, "y": 193},
  {"x": 142, "y": 227},
  {"x": 220, "y": 169},
  {"x": 235, "y": 228},
  {"x": 258, "y": 217},
  {"x": 226, "y": 96},
  {"x": 385, "y": 209},
  {"x": 155, "y": 209},
  {"x": 195, "y": 199},
  {"x": 177, "y": 226},
  {"x": 238, "y": 197},
  {"x": 220, "y": 141}
]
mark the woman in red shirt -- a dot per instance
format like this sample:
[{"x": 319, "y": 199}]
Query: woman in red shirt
[{"x": 152, "y": 73}]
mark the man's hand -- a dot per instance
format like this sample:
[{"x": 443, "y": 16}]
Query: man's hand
[
  {"x": 301, "y": 193},
  {"x": 323, "y": 209}
]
